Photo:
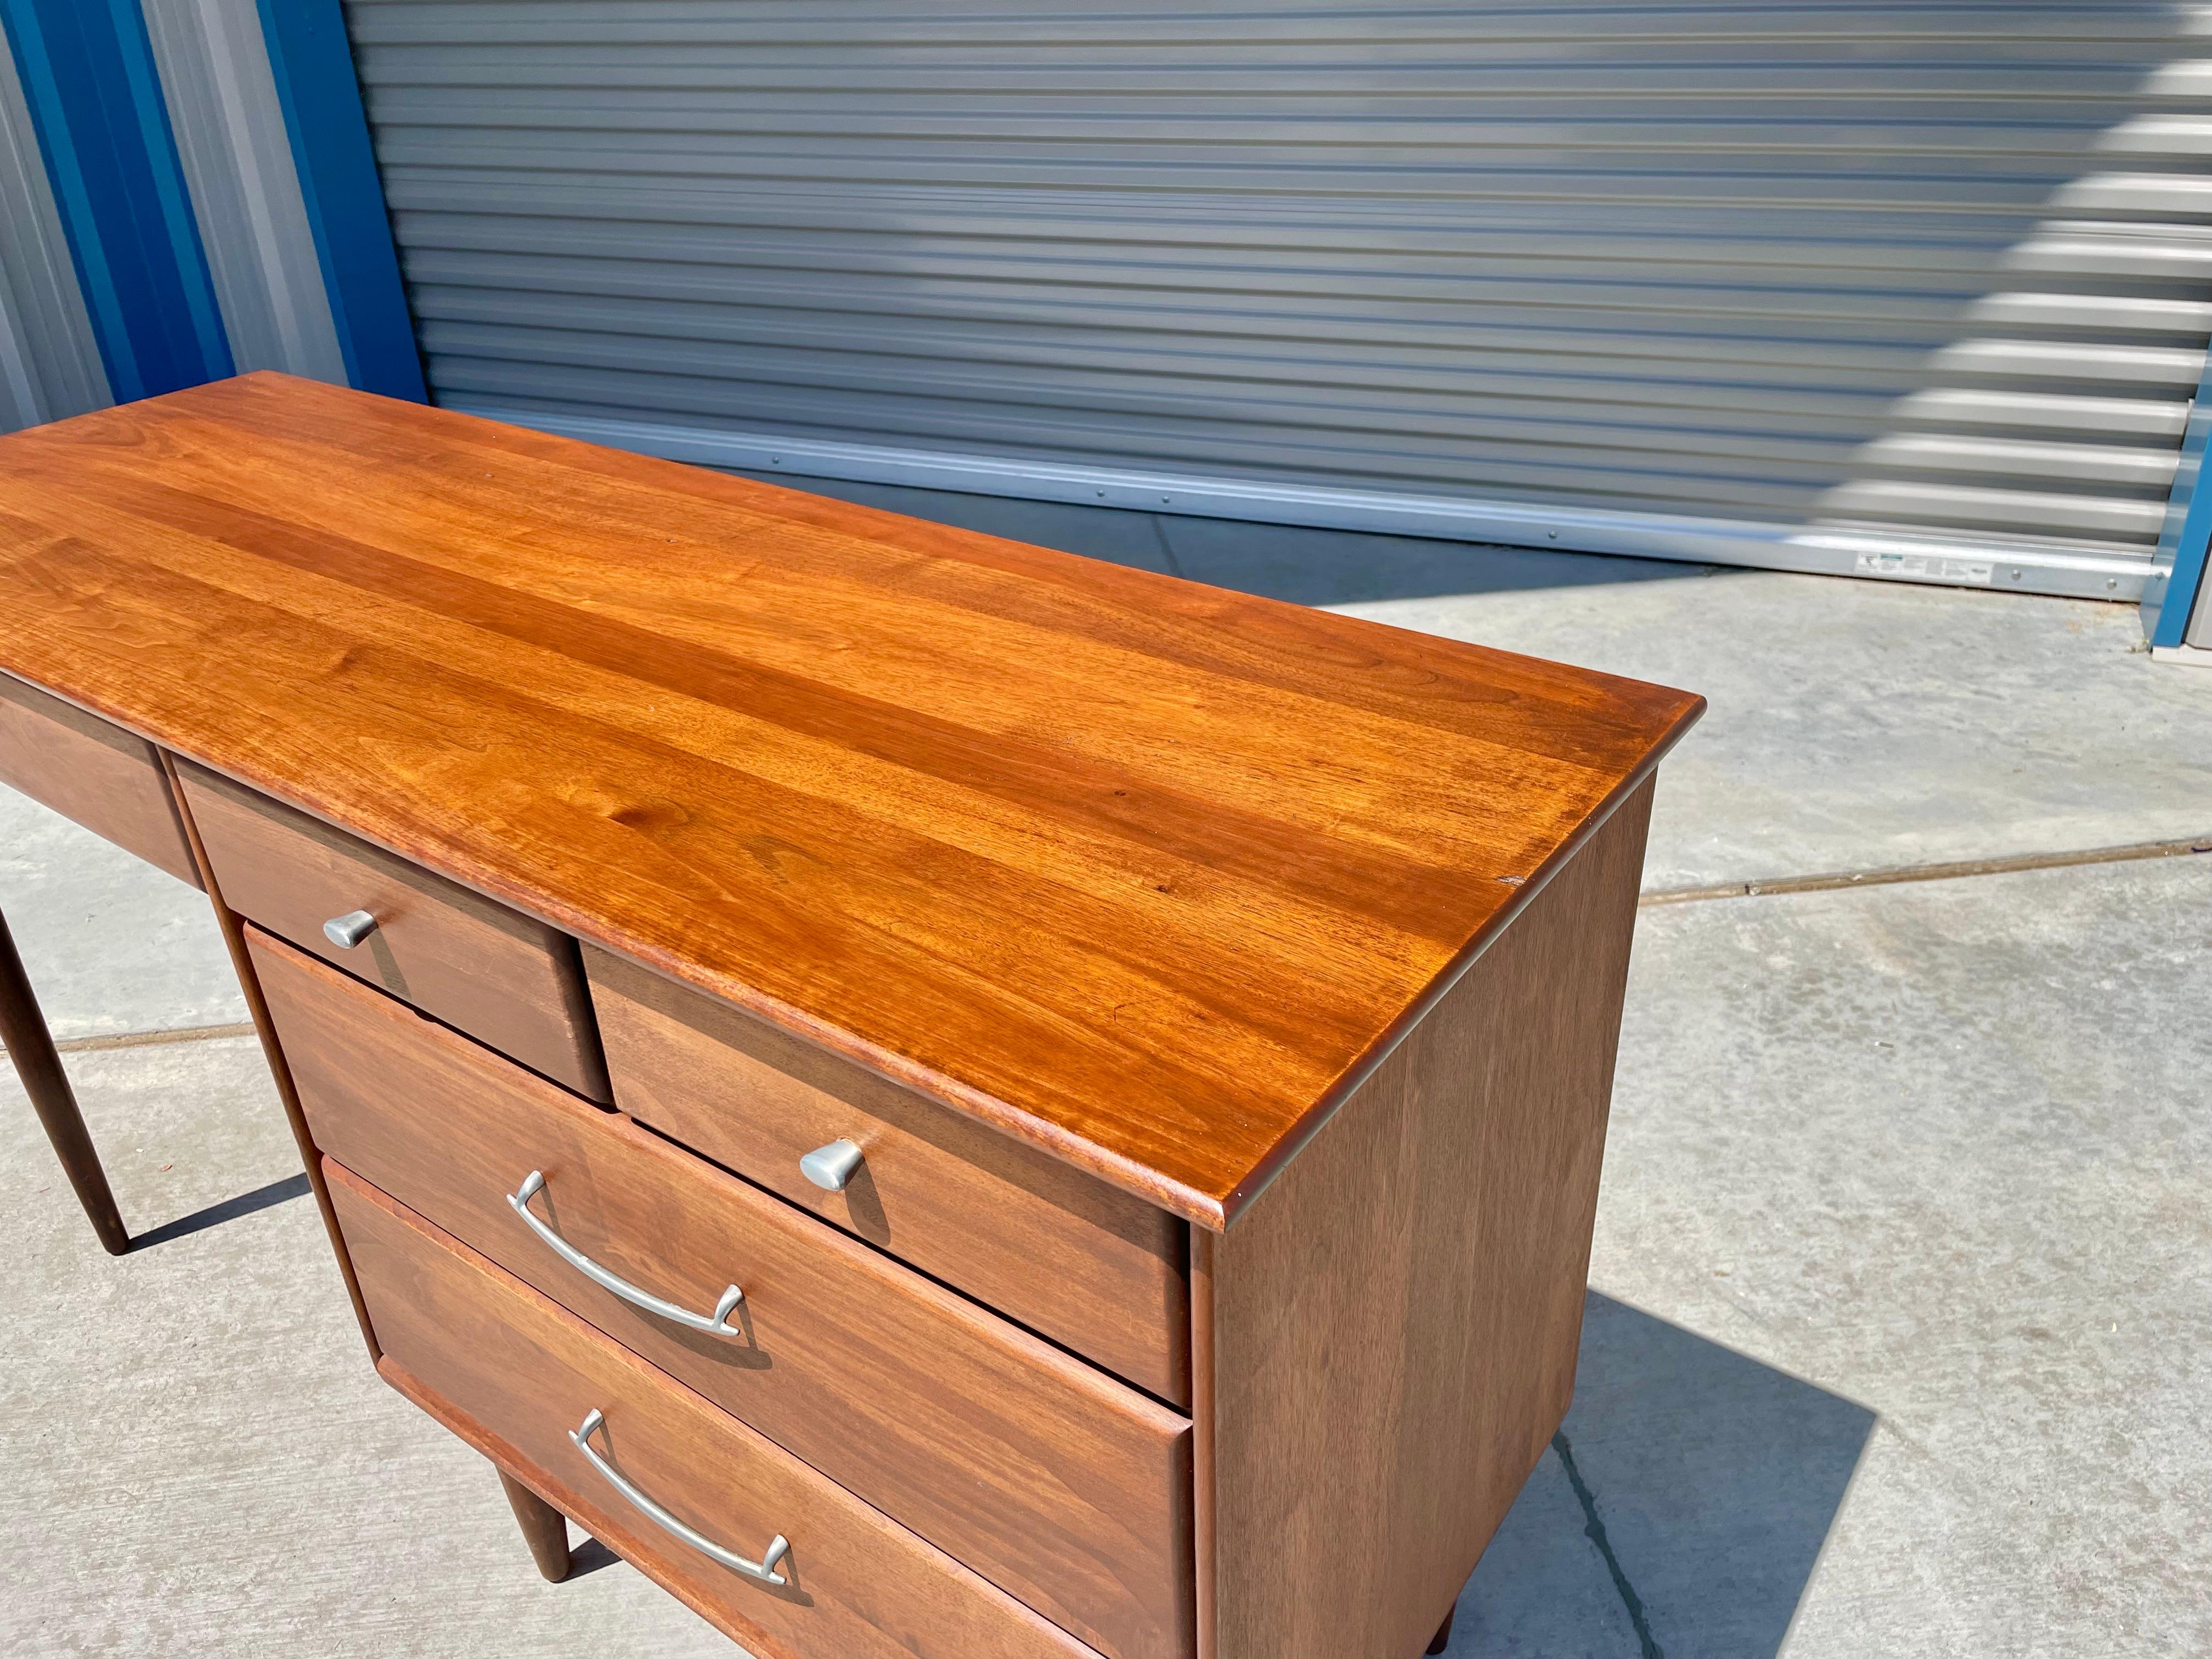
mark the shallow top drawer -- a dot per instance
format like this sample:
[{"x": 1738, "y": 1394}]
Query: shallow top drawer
[
  {"x": 504, "y": 979},
  {"x": 1088, "y": 1265},
  {"x": 92, "y": 772}
]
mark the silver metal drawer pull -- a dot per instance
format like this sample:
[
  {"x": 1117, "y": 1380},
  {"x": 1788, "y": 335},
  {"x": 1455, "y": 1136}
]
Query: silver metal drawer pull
[
  {"x": 830, "y": 1167},
  {"x": 348, "y": 930},
  {"x": 718, "y": 1325},
  {"x": 764, "y": 1569}
]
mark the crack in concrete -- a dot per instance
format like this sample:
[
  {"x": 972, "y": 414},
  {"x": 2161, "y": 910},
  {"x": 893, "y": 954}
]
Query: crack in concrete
[
  {"x": 1594, "y": 1530},
  {"x": 1885, "y": 878}
]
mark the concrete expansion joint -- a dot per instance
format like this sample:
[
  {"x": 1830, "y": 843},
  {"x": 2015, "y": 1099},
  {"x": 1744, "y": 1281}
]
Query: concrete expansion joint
[
  {"x": 1893, "y": 875},
  {"x": 2186, "y": 847},
  {"x": 155, "y": 1039}
]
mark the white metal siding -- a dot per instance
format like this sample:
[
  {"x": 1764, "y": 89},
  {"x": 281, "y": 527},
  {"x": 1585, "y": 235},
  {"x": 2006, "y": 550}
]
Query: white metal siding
[{"x": 1934, "y": 270}]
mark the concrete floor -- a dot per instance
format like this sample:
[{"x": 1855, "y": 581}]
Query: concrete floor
[{"x": 1900, "y": 1332}]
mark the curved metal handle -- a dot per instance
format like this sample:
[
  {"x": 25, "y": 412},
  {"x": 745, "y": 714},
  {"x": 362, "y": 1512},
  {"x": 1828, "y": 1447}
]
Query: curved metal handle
[
  {"x": 764, "y": 1569},
  {"x": 718, "y": 1325},
  {"x": 830, "y": 1167},
  {"x": 348, "y": 930}
]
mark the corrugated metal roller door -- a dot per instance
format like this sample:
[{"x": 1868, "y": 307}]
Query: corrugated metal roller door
[{"x": 1638, "y": 276}]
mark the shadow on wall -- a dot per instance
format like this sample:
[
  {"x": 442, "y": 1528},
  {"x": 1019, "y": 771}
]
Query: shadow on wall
[
  {"x": 1284, "y": 562},
  {"x": 1679, "y": 1512}
]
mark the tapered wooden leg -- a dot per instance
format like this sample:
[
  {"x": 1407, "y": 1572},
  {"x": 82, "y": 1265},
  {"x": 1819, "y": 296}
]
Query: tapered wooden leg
[
  {"x": 31, "y": 1045},
  {"x": 1442, "y": 1639},
  {"x": 542, "y": 1526}
]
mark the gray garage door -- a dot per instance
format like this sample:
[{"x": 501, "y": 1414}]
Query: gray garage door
[{"x": 1911, "y": 289}]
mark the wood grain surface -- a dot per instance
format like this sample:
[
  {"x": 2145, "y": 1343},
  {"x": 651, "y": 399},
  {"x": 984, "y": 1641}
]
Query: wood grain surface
[
  {"x": 1396, "y": 1323},
  {"x": 92, "y": 772},
  {"x": 1087, "y": 1264},
  {"x": 1145, "y": 872},
  {"x": 233, "y": 926},
  {"x": 507, "y": 979},
  {"x": 1063, "y": 1487},
  {"x": 515, "y": 1374},
  {"x": 1205, "y": 1395},
  {"x": 542, "y": 1528}
]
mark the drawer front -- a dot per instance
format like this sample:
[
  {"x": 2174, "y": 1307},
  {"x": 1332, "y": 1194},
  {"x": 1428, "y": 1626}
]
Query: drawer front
[
  {"x": 521, "y": 1376},
  {"x": 96, "y": 774},
  {"x": 1094, "y": 1268},
  {"x": 1059, "y": 1485},
  {"x": 512, "y": 982}
]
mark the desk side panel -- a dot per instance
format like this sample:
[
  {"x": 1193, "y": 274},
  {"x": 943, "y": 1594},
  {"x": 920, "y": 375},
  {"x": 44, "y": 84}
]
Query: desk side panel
[{"x": 1396, "y": 1322}]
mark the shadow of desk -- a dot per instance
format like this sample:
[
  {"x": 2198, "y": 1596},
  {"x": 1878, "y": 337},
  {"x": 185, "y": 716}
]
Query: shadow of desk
[{"x": 1682, "y": 1509}]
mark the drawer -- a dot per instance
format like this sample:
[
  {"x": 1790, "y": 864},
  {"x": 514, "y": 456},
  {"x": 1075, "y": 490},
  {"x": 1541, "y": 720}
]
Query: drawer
[
  {"x": 1093, "y": 1267},
  {"x": 92, "y": 772},
  {"x": 502, "y": 977},
  {"x": 518, "y": 1377},
  {"x": 1064, "y": 1487}
]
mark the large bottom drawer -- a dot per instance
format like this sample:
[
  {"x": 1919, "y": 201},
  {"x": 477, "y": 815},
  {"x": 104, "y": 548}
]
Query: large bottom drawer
[
  {"x": 1062, "y": 1485},
  {"x": 522, "y": 1378}
]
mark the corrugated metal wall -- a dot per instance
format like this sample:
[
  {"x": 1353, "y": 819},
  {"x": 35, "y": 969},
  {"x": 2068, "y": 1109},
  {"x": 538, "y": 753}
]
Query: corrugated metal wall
[
  {"x": 229, "y": 127},
  {"x": 50, "y": 366},
  {"x": 1656, "y": 277},
  {"x": 182, "y": 197}
]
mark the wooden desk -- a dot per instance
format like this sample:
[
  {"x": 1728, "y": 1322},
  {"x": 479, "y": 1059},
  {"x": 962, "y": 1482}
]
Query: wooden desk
[{"x": 1071, "y": 1099}]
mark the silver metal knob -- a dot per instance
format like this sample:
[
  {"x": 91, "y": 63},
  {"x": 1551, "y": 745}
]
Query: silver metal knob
[
  {"x": 348, "y": 930},
  {"x": 830, "y": 1167}
]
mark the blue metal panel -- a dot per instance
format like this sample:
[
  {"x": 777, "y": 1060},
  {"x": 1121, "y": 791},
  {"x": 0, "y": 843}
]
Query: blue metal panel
[
  {"x": 95, "y": 101},
  {"x": 2170, "y": 593},
  {"x": 315, "y": 82}
]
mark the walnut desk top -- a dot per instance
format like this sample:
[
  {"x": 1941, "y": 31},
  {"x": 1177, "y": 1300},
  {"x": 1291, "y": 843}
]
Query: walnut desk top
[{"x": 1149, "y": 874}]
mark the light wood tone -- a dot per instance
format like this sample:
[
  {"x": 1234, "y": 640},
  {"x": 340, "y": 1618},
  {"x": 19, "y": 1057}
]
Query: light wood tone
[
  {"x": 257, "y": 1008},
  {"x": 542, "y": 1528},
  {"x": 1144, "y": 872},
  {"x": 512, "y": 982},
  {"x": 493, "y": 1352},
  {"x": 1063, "y": 1487},
  {"x": 1396, "y": 1322},
  {"x": 92, "y": 772},
  {"x": 1085, "y": 1263}
]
